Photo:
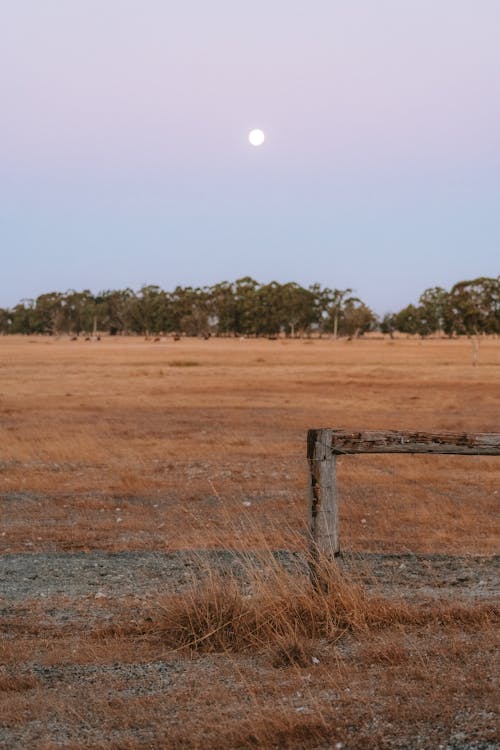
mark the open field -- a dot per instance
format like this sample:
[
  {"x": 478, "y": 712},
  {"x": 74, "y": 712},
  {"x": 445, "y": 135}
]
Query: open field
[
  {"x": 157, "y": 449},
  {"x": 129, "y": 444}
]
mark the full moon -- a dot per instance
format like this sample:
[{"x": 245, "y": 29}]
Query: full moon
[{"x": 256, "y": 137}]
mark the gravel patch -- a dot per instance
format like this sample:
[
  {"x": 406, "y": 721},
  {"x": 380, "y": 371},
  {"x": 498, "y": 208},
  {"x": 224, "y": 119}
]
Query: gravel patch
[
  {"x": 64, "y": 591},
  {"x": 38, "y": 576}
]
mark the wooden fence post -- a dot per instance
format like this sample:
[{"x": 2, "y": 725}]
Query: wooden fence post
[
  {"x": 323, "y": 508},
  {"x": 322, "y": 447}
]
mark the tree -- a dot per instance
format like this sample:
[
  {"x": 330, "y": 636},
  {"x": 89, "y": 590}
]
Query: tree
[
  {"x": 5, "y": 320},
  {"x": 247, "y": 311},
  {"x": 356, "y": 318},
  {"x": 148, "y": 310},
  {"x": 80, "y": 311},
  {"x": 51, "y": 316},
  {"x": 434, "y": 311},
  {"x": 388, "y": 324},
  {"x": 407, "y": 320},
  {"x": 189, "y": 311},
  {"x": 222, "y": 308},
  {"x": 330, "y": 304},
  {"x": 299, "y": 309},
  {"x": 475, "y": 306},
  {"x": 114, "y": 308}
]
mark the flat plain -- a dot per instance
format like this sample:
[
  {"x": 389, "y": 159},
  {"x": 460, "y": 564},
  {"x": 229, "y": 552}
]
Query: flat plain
[{"x": 134, "y": 471}]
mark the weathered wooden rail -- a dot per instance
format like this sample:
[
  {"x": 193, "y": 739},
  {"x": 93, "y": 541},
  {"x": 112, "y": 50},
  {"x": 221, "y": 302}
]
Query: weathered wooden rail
[{"x": 323, "y": 447}]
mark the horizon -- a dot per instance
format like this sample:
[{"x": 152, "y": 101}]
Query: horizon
[
  {"x": 259, "y": 282},
  {"x": 124, "y": 154}
]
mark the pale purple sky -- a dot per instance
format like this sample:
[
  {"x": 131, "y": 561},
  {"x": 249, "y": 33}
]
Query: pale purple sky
[{"x": 124, "y": 156}]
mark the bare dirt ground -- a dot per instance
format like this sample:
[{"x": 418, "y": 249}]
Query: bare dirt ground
[
  {"x": 117, "y": 574},
  {"x": 131, "y": 470}
]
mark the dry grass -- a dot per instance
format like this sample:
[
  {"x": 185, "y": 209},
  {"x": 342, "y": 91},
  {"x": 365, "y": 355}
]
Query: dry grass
[
  {"x": 88, "y": 427},
  {"x": 133, "y": 445},
  {"x": 183, "y": 363},
  {"x": 262, "y": 660},
  {"x": 268, "y": 608},
  {"x": 11, "y": 682},
  {"x": 394, "y": 674},
  {"x": 284, "y": 613}
]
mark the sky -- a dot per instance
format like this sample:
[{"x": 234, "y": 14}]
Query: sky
[{"x": 124, "y": 154}]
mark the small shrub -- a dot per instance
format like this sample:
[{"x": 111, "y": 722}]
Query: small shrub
[{"x": 284, "y": 613}]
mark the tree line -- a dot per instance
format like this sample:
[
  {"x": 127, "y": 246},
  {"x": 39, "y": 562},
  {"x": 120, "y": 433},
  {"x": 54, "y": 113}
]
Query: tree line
[{"x": 246, "y": 307}]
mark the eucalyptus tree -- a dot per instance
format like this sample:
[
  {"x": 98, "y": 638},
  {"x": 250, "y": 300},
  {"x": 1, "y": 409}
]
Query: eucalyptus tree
[
  {"x": 269, "y": 310},
  {"x": 51, "y": 314},
  {"x": 407, "y": 320},
  {"x": 148, "y": 310},
  {"x": 22, "y": 318},
  {"x": 330, "y": 304},
  {"x": 221, "y": 301},
  {"x": 5, "y": 320},
  {"x": 434, "y": 311},
  {"x": 388, "y": 324},
  {"x": 356, "y": 318},
  {"x": 475, "y": 306},
  {"x": 115, "y": 310},
  {"x": 79, "y": 312},
  {"x": 247, "y": 307},
  {"x": 299, "y": 308},
  {"x": 189, "y": 311}
]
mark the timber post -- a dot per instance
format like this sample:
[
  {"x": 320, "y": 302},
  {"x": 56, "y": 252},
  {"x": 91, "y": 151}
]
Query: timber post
[{"x": 323, "y": 506}]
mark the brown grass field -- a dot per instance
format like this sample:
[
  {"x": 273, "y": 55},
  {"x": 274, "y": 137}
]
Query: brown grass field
[{"x": 150, "y": 447}]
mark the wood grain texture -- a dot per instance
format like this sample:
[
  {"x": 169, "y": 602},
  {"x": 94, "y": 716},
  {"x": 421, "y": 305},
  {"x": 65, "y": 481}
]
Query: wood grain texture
[
  {"x": 401, "y": 441},
  {"x": 323, "y": 505}
]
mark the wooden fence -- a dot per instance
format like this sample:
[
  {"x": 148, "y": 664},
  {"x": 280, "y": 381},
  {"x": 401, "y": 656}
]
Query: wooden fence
[{"x": 323, "y": 447}]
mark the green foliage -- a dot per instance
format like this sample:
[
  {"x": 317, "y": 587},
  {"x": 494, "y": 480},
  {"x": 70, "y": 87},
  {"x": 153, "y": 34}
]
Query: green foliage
[
  {"x": 247, "y": 308},
  {"x": 475, "y": 306},
  {"x": 407, "y": 320},
  {"x": 470, "y": 308},
  {"x": 356, "y": 318}
]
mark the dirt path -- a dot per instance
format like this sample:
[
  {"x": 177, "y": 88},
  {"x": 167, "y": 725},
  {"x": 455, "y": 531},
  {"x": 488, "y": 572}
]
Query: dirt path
[{"x": 39, "y": 576}]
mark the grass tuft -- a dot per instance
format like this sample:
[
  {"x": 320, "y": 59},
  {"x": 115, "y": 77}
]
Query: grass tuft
[{"x": 282, "y": 613}]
